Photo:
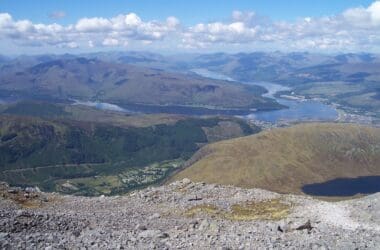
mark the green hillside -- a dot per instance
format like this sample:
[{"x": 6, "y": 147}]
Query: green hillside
[{"x": 48, "y": 152}]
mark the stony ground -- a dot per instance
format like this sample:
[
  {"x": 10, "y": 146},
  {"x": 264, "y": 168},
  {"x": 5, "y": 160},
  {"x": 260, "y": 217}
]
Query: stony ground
[{"x": 186, "y": 215}]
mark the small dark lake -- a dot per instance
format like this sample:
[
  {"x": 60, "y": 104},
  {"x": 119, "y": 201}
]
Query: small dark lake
[{"x": 344, "y": 186}]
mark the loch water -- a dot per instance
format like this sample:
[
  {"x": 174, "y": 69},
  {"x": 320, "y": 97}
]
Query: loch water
[
  {"x": 298, "y": 110},
  {"x": 344, "y": 186}
]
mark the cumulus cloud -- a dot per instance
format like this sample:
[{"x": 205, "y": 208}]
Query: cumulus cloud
[
  {"x": 95, "y": 24},
  {"x": 25, "y": 32},
  {"x": 115, "y": 31},
  {"x": 203, "y": 35},
  {"x": 353, "y": 29},
  {"x": 128, "y": 26},
  {"x": 364, "y": 17}
]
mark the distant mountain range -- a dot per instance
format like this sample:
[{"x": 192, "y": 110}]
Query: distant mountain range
[
  {"x": 291, "y": 68},
  {"x": 145, "y": 78},
  {"x": 69, "y": 77},
  {"x": 241, "y": 66}
]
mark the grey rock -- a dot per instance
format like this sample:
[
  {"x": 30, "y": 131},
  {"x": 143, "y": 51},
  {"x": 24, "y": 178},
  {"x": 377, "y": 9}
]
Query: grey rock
[
  {"x": 150, "y": 234},
  {"x": 3, "y": 236},
  {"x": 140, "y": 227},
  {"x": 154, "y": 216},
  {"x": 186, "y": 181},
  {"x": 203, "y": 225}
]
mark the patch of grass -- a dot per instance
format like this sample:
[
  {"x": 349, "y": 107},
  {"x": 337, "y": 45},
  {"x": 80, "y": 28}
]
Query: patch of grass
[
  {"x": 207, "y": 209},
  {"x": 23, "y": 199},
  {"x": 273, "y": 209},
  {"x": 264, "y": 210}
]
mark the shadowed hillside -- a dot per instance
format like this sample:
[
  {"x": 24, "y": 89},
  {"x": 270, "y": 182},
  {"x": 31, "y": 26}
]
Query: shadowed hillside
[{"x": 284, "y": 160}]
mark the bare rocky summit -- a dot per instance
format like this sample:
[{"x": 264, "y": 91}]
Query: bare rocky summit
[{"x": 186, "y": 215}]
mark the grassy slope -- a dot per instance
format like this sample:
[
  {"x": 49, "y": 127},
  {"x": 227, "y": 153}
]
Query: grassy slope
[{"x": 283, "y": 160}]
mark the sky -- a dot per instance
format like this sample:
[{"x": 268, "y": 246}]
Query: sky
[{"x": 72, "y": 26}]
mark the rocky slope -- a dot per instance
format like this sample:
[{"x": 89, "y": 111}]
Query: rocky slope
[{"x": 184, "y": 215}]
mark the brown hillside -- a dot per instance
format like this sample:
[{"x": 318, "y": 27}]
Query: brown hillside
[{"x": 285, "y": 159}]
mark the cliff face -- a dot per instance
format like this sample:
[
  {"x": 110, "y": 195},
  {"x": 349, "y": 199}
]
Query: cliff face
[{"x": 186, "y": 215}]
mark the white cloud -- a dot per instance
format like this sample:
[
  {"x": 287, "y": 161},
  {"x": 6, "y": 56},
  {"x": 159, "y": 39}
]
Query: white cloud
[
  {"x": 364, "y": 17},
  {"x": 172, "y": 22},
  {"x": 95, "y": 24},
  {"x": 5, "y": 20},
  {"x": 90, "y": 32},
  {"x": 132, "y": 20},
  {"x": 374, "y": 11},
  {"x": 235, "y": 32},
  {"x": 110, "y": 42},
  {"x": 354, "y": 29}
]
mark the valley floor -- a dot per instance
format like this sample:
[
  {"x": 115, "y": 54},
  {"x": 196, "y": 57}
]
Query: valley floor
[{"x": 184, "y": 215}]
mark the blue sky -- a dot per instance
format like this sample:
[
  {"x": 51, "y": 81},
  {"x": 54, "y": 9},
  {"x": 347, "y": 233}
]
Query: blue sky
[{"x": 197, "y": 25}]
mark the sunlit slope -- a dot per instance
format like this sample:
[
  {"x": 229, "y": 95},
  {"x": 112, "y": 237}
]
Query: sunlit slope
[{"x": 285, "y": 159}]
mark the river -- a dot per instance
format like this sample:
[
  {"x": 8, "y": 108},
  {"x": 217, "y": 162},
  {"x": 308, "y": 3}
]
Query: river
[{"x": 299, "y": 110}]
